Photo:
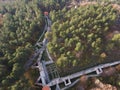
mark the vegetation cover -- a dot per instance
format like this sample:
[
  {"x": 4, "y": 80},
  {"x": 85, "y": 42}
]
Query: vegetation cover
[
  {"x": 80, "y": 37},
  {"x": 21, "y": 26}
]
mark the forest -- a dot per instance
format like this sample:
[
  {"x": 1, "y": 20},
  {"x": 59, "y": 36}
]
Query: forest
[
  {"x": 80, "y": 38},
  {"x": 21, "y": 24}
]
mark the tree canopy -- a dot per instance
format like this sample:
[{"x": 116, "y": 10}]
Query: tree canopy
[
  {"x": 22, "y": 23},
  {"x": 78, "y": 37}
]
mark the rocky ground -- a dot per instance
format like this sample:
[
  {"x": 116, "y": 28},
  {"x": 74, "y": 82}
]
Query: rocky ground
[{"x": 101, "y": 86}]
